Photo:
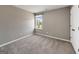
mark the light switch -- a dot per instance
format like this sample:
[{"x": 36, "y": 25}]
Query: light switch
[{"x": 78, "y": 6}]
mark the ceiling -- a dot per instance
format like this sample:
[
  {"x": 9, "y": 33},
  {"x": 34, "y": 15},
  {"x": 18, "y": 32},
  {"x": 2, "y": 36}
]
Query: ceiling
[{"x": 40, "y": 8}]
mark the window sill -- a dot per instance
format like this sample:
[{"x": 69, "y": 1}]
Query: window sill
[{"x": 38, "y": 29}]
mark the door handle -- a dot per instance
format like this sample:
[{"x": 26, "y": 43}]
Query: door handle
[{"x": 73, "y": 29}]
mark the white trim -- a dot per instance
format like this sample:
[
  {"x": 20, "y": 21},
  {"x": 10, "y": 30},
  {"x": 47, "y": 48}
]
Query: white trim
[
  {"x": 54, "y": 37},
  {"x": 74, "y": 47},
  {"x": 15, "y": 40}
]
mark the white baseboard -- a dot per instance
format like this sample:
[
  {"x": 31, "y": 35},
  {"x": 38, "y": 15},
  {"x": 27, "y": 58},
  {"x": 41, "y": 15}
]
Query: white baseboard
[
  {"x": 54, "y": 37},
  {"x": 30, "y": 35},
  {"x": 15, "y": 40}
]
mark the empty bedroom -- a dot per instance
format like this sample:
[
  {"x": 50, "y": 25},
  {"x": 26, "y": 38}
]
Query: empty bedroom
[{"x": 39, "y": 29}]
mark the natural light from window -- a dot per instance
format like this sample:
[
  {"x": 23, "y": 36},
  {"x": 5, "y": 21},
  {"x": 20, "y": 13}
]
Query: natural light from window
[{"x": 39, "y": 20}]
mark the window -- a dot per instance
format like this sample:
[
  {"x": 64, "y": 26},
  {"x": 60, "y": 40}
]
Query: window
[{"x": 39, "y": 20}]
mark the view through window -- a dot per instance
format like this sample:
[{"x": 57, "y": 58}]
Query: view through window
[{"x": 39, "y": 20}]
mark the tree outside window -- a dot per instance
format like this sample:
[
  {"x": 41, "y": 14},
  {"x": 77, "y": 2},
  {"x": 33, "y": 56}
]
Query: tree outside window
[{"x": 39, "y": 19}]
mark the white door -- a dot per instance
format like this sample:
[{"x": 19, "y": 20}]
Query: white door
[{"x": 75, "y": 27}]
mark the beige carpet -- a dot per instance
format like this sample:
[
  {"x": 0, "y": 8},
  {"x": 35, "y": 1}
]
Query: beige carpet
[{"x": 37, "y": 44}]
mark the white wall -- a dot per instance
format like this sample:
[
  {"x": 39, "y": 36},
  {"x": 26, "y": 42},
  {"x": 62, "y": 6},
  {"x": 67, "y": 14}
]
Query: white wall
[{"x": 75, "y": 25}]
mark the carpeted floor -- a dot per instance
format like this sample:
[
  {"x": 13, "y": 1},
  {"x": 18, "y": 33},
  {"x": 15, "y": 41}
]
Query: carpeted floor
[{"x": 37, "y": 44}]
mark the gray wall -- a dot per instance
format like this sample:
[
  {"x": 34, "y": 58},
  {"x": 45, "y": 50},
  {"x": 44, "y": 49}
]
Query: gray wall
[
  {"x": 14, "y": 23},
  {"x": 56, "y": 23}
]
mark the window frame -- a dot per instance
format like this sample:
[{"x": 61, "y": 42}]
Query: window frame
[{"x": 36, "y": 22}]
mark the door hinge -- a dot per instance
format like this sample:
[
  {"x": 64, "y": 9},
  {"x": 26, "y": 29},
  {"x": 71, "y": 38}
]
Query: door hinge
[{"x": 78, "y": 6}]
